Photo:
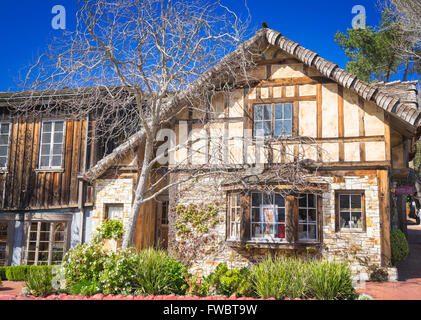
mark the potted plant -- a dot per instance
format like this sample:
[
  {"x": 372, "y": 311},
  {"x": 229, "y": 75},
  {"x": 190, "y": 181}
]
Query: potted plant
[{"x": 110, "y": 233}]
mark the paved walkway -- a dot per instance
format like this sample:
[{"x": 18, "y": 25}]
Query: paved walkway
[
  {"x": 408, "y": 286},
  {"x": 11, "y": 287}
]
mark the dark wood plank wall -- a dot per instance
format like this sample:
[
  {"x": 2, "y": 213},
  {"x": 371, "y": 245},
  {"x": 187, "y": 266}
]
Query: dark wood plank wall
[{"x": 23, "y": 186}]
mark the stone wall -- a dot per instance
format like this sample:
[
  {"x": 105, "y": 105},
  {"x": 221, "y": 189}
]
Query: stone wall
[
  {"x": 111, "y": 191},
  {"x": 204, "y": 251}
]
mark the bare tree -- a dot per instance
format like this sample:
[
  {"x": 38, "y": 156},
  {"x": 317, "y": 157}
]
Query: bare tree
[{"x": 133, "y": 65}]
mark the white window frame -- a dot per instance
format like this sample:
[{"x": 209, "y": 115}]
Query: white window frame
[
  {"x": 234, "y": 225},
  {"x": 8, "y": 143},
  {"x": 261, "y": 207},
  {"x": 307, "y": 222},
  {"x": 50, "y": 155},
  {"x": 351, "y": 210},
  {"x": 272, "y": 120}
]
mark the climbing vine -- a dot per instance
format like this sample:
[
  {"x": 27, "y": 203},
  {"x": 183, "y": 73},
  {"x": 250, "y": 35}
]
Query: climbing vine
[{"x": 196, "y": 218}]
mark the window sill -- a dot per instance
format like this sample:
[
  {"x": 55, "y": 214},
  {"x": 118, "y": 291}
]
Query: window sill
[
  {"x": 351, "y": 231},
  {"x": 271, "y": 244},
  {"x": 46, "y": 170}
]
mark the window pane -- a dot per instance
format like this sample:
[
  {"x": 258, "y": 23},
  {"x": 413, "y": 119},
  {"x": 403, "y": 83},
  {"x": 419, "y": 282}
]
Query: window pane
[
  {"x": 344, "y": 201},
  {"x": 46, "y": 126},
  {"x": 287, "y": 128},
  {"x": 267, "y": 198},
  {"x": 4, "y": 139},
  {"x": 281, "y": 215},
  {"x": 3, "y": 151},
  {"x": 57, "y": 149},
  {"x": 302, "y": 202},
  {"x": 312, "y": 215},
  {"x": 258, "y": 129},
  {"x": 46, "y": 138},
  {"x": 58, "y": 126},
  {"x": 302, "y": 231},
  {"x": 45, "y": 161},
  {"x": 278, "y": 130},
  {"x": 279, "y": 114},
  {"x": 356, "y": 221},
  {"x": 281, "y": 231},
  {"x": 58, "y": 137},
  {"x": 311, "y": 200},
  {"x": 268, "y": 215},
  {"x": 256, "y": 199},
  {"x": 56, "y": 161},
  {"x": 345, "y": 220},
  {"x": 268, "y": 113},
  {"x": 255, "y": 213},
  {"x": 355, "y": 201},
  {"x": 287, "y": 111},
  {"x": 267, "y": 128},
  {"x": 45, "y": 149},
  {"x": 302, "y": 214},
  {"x": 4, "y": 128},
  {"x": 279, "y": 200},
  {"x": 258, "y": 113},
  {"x": 312, "y": 232}
]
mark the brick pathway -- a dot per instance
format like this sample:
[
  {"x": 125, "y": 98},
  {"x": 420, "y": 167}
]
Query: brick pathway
[
  {"x": 408, "y": 286},
  {"x": 11, "y": 287}
]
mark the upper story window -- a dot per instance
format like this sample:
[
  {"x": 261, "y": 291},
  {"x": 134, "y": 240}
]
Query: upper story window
[
  {"x": 52, "y": 137},
  {"x": 351, "y": 210},
  {"x": 274, "y": 120},
  {"x": 267, "y": 216},
  {"x": 4, "y": 143}
]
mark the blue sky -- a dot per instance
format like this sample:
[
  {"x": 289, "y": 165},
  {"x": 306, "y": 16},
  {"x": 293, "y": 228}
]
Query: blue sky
[{"x": 26, "y": 30}]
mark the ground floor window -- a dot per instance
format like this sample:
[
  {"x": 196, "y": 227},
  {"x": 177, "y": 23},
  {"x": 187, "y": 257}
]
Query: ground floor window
[
  {"x": 46, "y": 242},
  {"x": 350, "y": 213},
  {"x": 4, "y": 226},
  {"x": 271, "y": 217}
]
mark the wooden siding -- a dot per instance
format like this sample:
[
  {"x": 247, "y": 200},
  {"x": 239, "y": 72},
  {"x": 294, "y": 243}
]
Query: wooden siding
[{"x": 24, "y": 186}]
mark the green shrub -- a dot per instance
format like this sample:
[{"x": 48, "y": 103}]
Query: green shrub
[
  {"x": 378, "y": 274},
  {"x": 399, "y": 246},
  {"x": 330, "y": 281},
  {"x": 84, "y": 263},
  {"x": 231, "y": 282},
  {"x": 39, "y": 280},
  {"x": 280, "y": 277},
  {"x": 85, "y": 287},
  {"x": 110, "y": 229},
  {"x": 157, "y": 273},
  {"x": 16, "y": 273},
  {"x": 3, "y": 273},
  {"x": 199, "y": 286},
  {"x": 118, "y": 274}
]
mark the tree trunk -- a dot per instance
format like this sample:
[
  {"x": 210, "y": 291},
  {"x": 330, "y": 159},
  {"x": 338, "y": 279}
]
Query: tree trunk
[
  {"x": 139, "y": 196},
  {"x": 405, "y": 74}
]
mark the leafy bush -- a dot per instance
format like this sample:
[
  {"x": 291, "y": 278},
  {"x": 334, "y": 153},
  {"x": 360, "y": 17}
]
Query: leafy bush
[
  {"x": 378, "y": 274},
  {"x": 157, "y": 273},
  {"x": 110, "y": 229},
  {"x": 2, "y": 273},
  {"x": 198, "y": 286},
  {"x": 39, "y": 281},
  {"x": 231, "y": 282},
  {"x": 280, "y": 277},
  {"x": 399, "y": 246},
  {"x": 330, "y": 281},
  {"x": 85, "y": 287},
  {"x": 118, "y": 274},
  {"x": 16, "y": 273},
  {"x": 84, "y": 263}
]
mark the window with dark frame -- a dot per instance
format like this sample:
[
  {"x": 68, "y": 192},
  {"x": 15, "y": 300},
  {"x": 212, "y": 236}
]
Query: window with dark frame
[
  {"x": 114, "y": 211},
  {"x": 307, "y": 222},
  {"x": 351, "y": 211},
  {"x": 164, "y": 214},
  {"x": 273, "y": 120},
  {"x": 4, "y": 225},
  {"x": 268, "y": 221},
  {"x": 52, "y": 137},
  {"x": 4, "y": 143}
]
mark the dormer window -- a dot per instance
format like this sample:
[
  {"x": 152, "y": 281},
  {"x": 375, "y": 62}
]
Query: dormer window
[{"x": 273, "y": 120}]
